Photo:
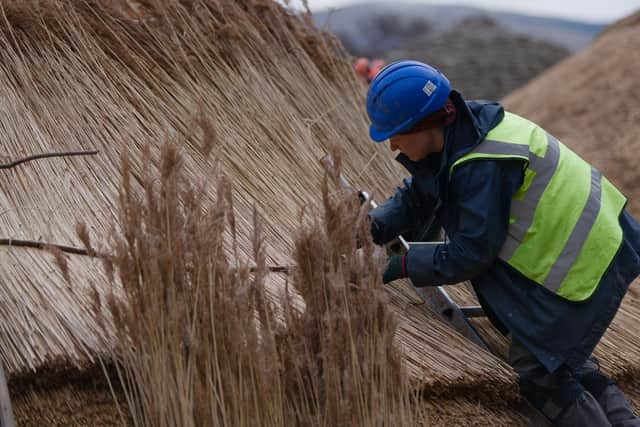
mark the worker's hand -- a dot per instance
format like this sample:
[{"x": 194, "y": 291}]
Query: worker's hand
[{"x": 396, "y": 268}]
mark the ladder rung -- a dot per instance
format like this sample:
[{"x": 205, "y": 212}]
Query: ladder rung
[{"x": 473, "y": 311}]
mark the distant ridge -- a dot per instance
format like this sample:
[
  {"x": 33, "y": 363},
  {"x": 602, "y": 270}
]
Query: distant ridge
[
  {"x": 360, "y": 20},
  {"x": 482, "y": 58}
]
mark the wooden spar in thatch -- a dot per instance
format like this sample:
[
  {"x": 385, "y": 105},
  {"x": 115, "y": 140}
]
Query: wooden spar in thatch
[{"x": 77, "y": 75}]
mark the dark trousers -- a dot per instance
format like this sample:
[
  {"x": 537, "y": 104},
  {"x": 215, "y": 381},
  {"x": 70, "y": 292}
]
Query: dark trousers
[{"x": 583, "y": 397}]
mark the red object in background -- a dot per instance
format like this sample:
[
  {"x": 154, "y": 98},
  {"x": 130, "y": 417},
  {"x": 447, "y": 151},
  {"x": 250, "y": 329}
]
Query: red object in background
[
  {"x": 375, "y": 67},
  {"x": 366, "y": 69},
  {"x": 361, "y": 67}
]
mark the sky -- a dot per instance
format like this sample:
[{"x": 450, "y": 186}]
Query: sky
[{"x": 599, "y": 11}]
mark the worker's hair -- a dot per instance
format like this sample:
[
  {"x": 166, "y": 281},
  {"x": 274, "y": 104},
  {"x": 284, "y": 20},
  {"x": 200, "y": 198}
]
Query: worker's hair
[{"x": 441, "y": 118}]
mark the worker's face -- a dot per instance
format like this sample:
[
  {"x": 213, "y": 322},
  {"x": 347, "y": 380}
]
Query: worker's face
[{"x": 418, "y": 145}]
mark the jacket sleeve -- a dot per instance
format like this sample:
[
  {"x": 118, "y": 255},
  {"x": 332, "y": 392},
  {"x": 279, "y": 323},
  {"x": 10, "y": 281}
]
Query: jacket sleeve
[
  {"x": 481, "y": 193},
  {"x": 399, "y": 214}
]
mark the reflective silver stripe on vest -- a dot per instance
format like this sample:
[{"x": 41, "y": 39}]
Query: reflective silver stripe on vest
[
  {"x": 501, "y": 148},
  {"x": 578, "y": 236},
  {"x": 524, "y": 209}
]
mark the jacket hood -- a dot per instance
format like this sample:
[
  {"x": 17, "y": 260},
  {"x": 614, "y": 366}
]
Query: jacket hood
[{"x": 484, "y": 115}]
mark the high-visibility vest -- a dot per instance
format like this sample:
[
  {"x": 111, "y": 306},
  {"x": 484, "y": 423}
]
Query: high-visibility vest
[{"x": 563, "y": 225}]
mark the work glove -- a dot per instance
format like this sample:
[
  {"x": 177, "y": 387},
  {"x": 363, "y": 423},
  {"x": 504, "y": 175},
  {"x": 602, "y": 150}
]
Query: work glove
[{"x": 396, "y": 268}]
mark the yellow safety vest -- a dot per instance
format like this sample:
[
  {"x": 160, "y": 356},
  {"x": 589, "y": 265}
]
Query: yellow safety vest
[{"x": 563, "y": 226}]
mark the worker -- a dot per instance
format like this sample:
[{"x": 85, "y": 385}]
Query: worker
[{"x": 543, "y": 237}]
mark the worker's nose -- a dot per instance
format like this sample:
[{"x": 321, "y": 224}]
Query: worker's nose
[{"x": 393, "y": 146}]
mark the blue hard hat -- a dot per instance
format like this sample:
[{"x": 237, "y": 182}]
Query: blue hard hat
[{"x": 402, "y": 94}]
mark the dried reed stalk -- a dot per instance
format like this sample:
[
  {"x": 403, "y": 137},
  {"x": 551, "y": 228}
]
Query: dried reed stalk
[{"x": 201, "y": 342}]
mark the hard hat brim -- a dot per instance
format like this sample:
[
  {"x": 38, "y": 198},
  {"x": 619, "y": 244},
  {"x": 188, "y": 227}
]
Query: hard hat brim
[{"x": 379, "y": 136}]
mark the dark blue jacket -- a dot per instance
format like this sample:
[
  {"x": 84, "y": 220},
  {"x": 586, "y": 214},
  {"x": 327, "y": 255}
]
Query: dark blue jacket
[{"x": 473, "y": 209}]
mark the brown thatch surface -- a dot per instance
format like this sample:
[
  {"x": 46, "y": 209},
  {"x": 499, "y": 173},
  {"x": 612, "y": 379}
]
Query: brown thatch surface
[
  {"x": 93, "y": 405},
  {"x": 421, "y": 334},
  {"x": 82, "y": 405},
  {"x": 67, "y": 405},
  {"x": 80, "y": 76},
  {"x": 468, "y": 412}
]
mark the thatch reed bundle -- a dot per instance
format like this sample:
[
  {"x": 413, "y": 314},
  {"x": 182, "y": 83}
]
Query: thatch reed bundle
[
  {"x": 71, "y": 405},
  {"x": 459, "y": 411},
  {"x": 48, "y": 321},
  {"x": 429, "y": 354}
]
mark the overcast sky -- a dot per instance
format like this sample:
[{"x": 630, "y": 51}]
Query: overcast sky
[{"x": 582, "y": 10}]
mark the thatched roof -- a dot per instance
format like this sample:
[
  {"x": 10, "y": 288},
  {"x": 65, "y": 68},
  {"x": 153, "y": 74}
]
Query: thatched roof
[{"x": 87, "y": 76}]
